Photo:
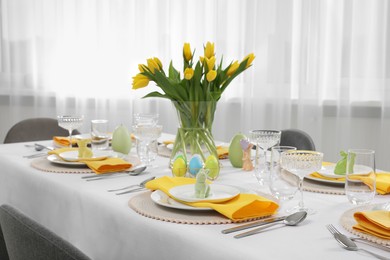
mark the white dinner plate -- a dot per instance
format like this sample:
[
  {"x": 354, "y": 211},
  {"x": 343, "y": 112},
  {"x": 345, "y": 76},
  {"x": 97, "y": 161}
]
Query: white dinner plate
[
  {"x": 328, "y": 171},
  {"x": 218, "y": 193},
  {"x": 335, "y": 181},
  {"x": 54, "y": 159},
  {"x": 163, "y": 199},
  {"x": 73, "y": 156}
]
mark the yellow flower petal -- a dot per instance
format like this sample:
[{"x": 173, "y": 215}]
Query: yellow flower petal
[
  {"x": 154, "y": 64},
  {"x": 141, "y": 67},
  {"x": 250, "y": 57},
  {"x": 209, "y": 50},
  {"x": 188, "y": 73},
  {"x": 201, "y": 58},
  {"x": 210, "y": 62},
  {"x": 233, "y": 68},
  {"x": 187, "y": 51},
  {"x": 211, "y": 75},
  {"x": 140, "y": 81},
  {"x": 158, "y": 63}
]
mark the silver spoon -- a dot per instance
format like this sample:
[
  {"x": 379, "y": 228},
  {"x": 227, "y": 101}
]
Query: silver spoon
[
  {"x": 133, "y": 172},
  {"x": 348, "y": 244},
  {"x": 291, "y": 220}
]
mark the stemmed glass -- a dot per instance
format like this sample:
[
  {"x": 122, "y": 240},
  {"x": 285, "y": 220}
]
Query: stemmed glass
[
  {"x": 263, "y": 139},
  {"x": 301, "y": 163},
  {"x": 70, "y": 123}
]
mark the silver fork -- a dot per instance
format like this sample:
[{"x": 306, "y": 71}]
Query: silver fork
[
  {"x": 139, "y": 187},
  {"x": 348, "y": 244},
  {"x": 334, "y": 230}
]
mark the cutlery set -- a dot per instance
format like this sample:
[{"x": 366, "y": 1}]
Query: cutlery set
[
  {"x": 349, "y": 244},
  {"x": 290, "y": 220}
]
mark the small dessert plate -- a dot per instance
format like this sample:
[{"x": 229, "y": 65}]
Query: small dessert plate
[
  {"x": 328, "y": 171},
  {"x": 218, "y": 193}
]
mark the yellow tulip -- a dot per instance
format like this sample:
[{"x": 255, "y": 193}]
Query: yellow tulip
[
  {"x": 233, "y": 68},
  {"x": 209, "y": 50},
  {"x": 211, "y": 75},
  {"x": 158, "y": 63},
  {"x": 210, "y": 62},
  {"x": 154, "y": 64},
  {"x": 187, "y": 51},
  {"x": 141, "y": 67},
  {"x": 250, "y": 57},
  {"x": 201, "y": 58},
  {"x": 188, "y": 73},
  {"x": 140, "y": 81}
]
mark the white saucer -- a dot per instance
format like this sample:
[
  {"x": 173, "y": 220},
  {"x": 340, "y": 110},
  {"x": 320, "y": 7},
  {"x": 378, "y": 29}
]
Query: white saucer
[
  {"x": 218, "y": 193},
  {"x": 162, "y": 199}
]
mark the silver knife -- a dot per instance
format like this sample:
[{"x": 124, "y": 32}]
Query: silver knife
[
  {"x": 252, "y": 224},
  {"x": 131, "y": 191}
]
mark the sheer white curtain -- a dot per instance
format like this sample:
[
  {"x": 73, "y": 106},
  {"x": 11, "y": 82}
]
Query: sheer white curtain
[{"x": 321, "y": 65}]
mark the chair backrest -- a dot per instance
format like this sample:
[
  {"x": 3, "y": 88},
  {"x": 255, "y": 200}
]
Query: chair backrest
[
  {"x": 26, "y": 239},
  {"x": 297, "y": 138},
  {"x": 35, "y": 129},
  {"x": 3, "y": 248}
]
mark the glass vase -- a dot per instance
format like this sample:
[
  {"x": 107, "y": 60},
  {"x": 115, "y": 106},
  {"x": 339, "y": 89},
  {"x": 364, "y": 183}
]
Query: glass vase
[{"x": 194, "y": 137}]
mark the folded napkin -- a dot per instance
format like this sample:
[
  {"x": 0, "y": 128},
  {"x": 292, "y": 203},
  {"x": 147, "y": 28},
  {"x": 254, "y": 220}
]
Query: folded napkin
[
  {"x": 99, "y": 165},
  {"x": 64, "y": 141},
  {"x": 382, "y": 181},
  {"x": 108, "y": 165},
  {"x": 243, "y": 206},
  {"x": 223, "y": 152},
  {"x": 376, "y": 223}
]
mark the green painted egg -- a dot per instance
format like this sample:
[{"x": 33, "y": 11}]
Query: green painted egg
[
  {"x": 121, "y": 140},
  {"x": 212, "y": 164},
  {"x": 235, "y": 150}
]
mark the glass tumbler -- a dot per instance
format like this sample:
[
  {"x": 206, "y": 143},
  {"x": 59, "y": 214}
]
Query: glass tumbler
[
  {"x": 360, "y": 183},
  {"x": 283, "y": 184}
]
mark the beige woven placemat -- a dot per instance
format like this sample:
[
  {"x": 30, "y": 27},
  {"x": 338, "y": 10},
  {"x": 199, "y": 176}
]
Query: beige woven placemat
[
  {"x": 347, "y": 221},
  {"x": 45, "y": 165},
  {"x": 319, "y": 187},
  {"x": 143, "y": 205}
]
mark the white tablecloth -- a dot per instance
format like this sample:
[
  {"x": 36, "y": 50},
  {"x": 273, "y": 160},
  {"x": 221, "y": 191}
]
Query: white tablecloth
[{"x": 103, "y": 226}]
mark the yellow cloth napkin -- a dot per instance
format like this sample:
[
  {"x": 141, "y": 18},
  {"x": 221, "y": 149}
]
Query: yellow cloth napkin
[
  {"x": 223, "y": 152},
  {"x": 243, "y": 206},
  {"x": 382, "y": 181},
  {"x": 64, "y": 141},
  {"x": 108, "y": 165},
  {"x": 376, "y": 223},
  {"x": 99, "y": 165}
]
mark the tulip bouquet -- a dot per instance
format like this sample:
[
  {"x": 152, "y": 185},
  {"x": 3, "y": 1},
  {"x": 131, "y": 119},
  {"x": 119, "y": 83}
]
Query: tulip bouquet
[{"x": 194, "y": 93}]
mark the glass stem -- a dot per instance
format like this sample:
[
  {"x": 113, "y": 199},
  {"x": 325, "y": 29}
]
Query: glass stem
[
  {"x": 301, "y": 204},
  {"x": 70, "y": 138}
]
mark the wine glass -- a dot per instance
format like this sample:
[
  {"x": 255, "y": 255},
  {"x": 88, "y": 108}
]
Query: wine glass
[
  {"x": 263, "y": 139},
  {"x": 146, "y": 136},
  {"x": 70, "y": 123},
  {"x": 301, "y": 163}
]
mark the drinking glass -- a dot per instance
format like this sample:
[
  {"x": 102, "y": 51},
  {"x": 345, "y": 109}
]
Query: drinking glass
[
  {"x": 99, "y": 134},
  {"x": 145, "y": 119},
  {"x": 283, "y": 185},
  {"x": 70, "y": 123},
  {"x": 301, "y": 163},
  {"x": 360, "y": 186},
  {"x": 263, "y": 139},
  {"x": 146, "y": 136}
]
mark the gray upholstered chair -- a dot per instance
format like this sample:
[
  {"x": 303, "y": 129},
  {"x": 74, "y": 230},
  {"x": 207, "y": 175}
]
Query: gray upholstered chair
[
  {"x": 297, "y": 138},
  {"x": 35, "y": 129},
  {"x": 26, "y": 239}
]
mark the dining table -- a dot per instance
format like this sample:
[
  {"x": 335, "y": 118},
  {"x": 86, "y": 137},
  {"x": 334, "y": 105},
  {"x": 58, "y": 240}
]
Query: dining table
[{"x": 107, "y": 226}]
